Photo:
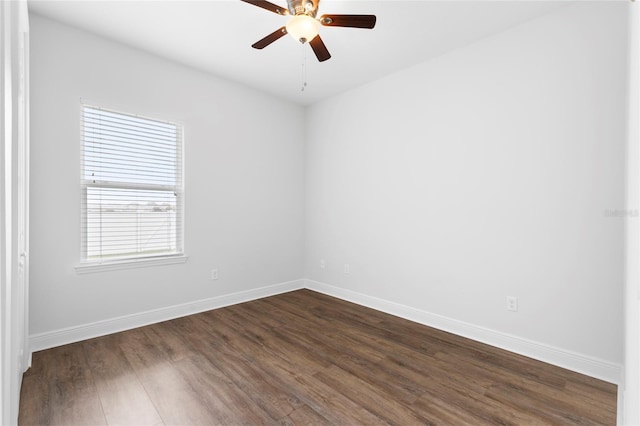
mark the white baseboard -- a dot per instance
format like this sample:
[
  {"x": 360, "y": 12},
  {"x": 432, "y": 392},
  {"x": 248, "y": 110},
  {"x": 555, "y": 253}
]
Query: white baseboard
[
  {"x": 604, "y": 370},
  {"x": 580, "y": 363},
  {"x": 101, "y": 328}
]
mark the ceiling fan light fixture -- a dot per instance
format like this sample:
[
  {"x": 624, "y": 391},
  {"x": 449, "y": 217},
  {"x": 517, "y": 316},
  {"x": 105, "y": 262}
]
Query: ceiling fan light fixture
[{"x": 303, "y": 28}]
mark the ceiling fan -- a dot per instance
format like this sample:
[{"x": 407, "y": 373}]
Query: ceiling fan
[{"x": 304, "y": 27}]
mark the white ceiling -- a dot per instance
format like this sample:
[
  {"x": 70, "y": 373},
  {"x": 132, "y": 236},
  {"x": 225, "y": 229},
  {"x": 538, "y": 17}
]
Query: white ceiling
[{"x": 216, "y": 36}]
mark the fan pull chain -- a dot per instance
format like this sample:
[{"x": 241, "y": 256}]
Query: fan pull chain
[{"x": 304, "y": 69}]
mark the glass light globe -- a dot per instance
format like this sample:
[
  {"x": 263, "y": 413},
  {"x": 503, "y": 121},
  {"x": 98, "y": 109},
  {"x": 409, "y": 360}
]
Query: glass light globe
[{"x": 303, "y": 28}]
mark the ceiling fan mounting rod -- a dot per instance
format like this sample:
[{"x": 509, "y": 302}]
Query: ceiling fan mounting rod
[{"x": 303, "y": 7}]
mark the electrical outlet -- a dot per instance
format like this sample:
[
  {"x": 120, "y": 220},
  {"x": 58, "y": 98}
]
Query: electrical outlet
[
  {"x": 323, "y": 264},
  {"x": 347, "y": 269},
  {"x": 512, "y": 303},
  {"x": 214, "y": 274}
]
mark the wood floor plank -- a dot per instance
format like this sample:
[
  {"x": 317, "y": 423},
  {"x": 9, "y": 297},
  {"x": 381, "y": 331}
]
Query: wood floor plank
[
  {"x": 599, "y": 400},
  {"x": 70, "y": 396},
  {"x": 322, "y": 398},
  {"x": 124, "y": 400},
  {"x": 352, "y": 311},
  {"x": 264, "y": 393},
  {"x": 256, "y": 312},
  {"x": 426, "y": 371},
  {"x": 35, "y": 400},
  {"x": 325, "y": 346},
  {"x": 305, "y": 416},
  {"x": 228, "y": 404},
  {"x": 266, "y": 345},
  {"x": 174, "y": 398},
  {"x": 508, "y": 376},
  {"x": 235, "y": 359},
  {"x": 403, "y": 388},
  {"x": 374, "y": 399},
  {"x": 302, "y": 358},
  {"x": 460, "y": 409},
  {"x": 544, "y": 406},
  {"x": 169, "y": 340},
  {"x": 295, "y": 314}
]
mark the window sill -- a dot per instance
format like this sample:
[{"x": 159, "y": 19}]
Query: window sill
[{"x": 89, "y": 268}]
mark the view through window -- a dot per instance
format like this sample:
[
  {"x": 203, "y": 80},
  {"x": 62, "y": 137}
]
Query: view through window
[{"x": 131, "y": 186}]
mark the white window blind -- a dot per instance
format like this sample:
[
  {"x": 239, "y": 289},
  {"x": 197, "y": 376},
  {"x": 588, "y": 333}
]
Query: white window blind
[{"x": 131, "y": 187}]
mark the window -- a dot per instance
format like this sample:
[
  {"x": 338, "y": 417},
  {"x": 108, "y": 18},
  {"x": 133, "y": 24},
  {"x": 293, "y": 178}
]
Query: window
[{"x": 132, "y": 195}]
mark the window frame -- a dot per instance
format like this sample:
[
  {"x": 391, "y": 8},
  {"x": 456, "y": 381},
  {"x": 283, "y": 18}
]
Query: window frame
[{"x": 87, "y": 265}]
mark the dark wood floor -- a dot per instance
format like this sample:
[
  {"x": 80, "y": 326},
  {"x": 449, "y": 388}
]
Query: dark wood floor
[{"x": 301, "y": 358}]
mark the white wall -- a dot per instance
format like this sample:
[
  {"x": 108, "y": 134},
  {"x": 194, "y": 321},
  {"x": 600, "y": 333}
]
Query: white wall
[
  {"x": 243, "y": 172},
  {"x": 482, "y": 174}
]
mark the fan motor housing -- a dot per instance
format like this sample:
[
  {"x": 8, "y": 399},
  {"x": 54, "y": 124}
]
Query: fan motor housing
[{"x": 303, "y": 7}]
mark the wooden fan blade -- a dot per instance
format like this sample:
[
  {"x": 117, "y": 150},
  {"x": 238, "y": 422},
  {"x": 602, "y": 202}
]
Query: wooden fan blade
[
  {"x": 319, "y": 49},
  {"x": 261, "y": 44},
  {"x": 268, "y": 6},
  {"x": 353, "y": 21}
]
